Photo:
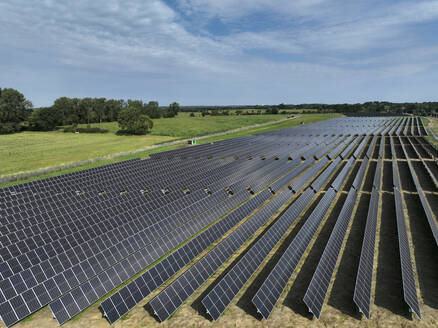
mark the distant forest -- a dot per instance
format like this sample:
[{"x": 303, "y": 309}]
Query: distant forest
[
  {"x": 424, "y": 108},
  {"x": 17, "y": 113}
]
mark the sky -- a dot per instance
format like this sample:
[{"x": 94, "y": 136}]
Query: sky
[{"x": 221, "y": 52}]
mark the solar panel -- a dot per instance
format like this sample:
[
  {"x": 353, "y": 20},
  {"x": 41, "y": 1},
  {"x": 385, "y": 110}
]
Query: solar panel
[
  {"x": 322, "y": 178},
  {"x": 217, "y": 300},
  {"x": 429, "y": 171},
  {"x": 290, "y": 176},
  {"x": 154, "y": 277},
  {"x": 360, "y": 148},
  {"x": 268, "y": 294},
  {"x": 424, "y": 203},
  {"x": 370, "y": 150},
  {"x": 360, "y": 174},
  {"x": 306, "y": 176},
  {"x": 377, "y": 182},
  {"x": 338, "y": 182},
  {"x": 168, "y": 301},
  {"x": 362, "y": 290},
  {"x": 409, "y": 289},
  {"x": 317, "y": 290},
  {"x": 381, "y": 147},
  {"x": 348, "y": 150}
]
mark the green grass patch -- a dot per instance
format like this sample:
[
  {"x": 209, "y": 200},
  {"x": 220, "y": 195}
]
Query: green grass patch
[
  {"x": 184, "y": 126},
  {"x": 432, "y": 123},
  {"x": 26, "y": 151}
]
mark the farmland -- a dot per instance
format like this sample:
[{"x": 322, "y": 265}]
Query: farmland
[
  {"x": 370, "y": 183},
  {"x": 35, "y": 150}
]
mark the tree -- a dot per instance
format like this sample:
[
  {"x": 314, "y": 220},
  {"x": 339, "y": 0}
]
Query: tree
[
  {"x": 86, "y": 113},
  {"x": 132, "y": 120},
  {"x": 174, "y": 108},
  {"x": 152, "y": 109},
  {"x": 14, "y": 108},
  {"x": 45, "y": 119},
  {"x": 99, "y": 109},
  {"x": 113, "y": 108}
]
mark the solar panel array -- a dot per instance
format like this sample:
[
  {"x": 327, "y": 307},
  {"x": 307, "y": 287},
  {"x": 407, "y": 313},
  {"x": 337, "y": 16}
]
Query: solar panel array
[
  {"x": 318, "y": 287},
  {"x": 409, "y": 288},
  {"x": 68, "y": 241},
  {"x": 118, "y": 304},
  {"x": 364, "y": 278},
  {"x": 221, "y": 295},
  {"x": 426, "y": 207},
  {"x": 269, "y": 293}
]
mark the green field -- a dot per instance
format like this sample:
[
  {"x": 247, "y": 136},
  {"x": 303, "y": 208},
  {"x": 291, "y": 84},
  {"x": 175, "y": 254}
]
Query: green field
[
  {"x": 433, "y": 124},
  {"x": 184, "y": 126},
  {"x": 33, "y": 150}
]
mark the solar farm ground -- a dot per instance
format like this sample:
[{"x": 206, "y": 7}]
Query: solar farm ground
[{"x": 388, "y": 308}]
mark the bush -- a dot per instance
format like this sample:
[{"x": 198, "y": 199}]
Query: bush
[
  {"x": 75, "y": 129},
  {"x": 131, "y": 120},
  {"x": 192, "y": 114},
  {"x": 45, "y": 119},
  {"x": 7, "y": 128}
]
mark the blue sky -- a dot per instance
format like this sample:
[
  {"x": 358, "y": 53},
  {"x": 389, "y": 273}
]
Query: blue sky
[{"x": 221, "y": 51}]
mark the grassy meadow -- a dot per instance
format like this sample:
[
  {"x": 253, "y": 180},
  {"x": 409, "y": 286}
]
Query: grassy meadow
[
  {"x": 184, "y": 126},
  {"x": 27, "y": 151},
  {"x": 33, "y": 150},
  {"x": 432, "y": 124}
]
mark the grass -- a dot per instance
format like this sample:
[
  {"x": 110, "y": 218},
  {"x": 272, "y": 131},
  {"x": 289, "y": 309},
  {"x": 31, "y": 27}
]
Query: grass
[
  {"x": 184, "y": 126},
  {"x": 433, "y": 124},
  {"x": 27, "y": 151},
  {"x": 19, "y": 153}
]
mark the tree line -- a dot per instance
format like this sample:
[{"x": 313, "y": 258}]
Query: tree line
[
  {"x": 423, "y": 108},
  {"x": 16, "y": 109},
  {"x": 134, "y": 116},
  {"x": 74, "y": 111}
]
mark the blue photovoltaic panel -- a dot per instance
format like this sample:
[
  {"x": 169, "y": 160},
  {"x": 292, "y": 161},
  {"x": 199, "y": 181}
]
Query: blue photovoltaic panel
[
  {"x": 168, "y": 301},
  {"x": 409, "y": 288},
  {"x": 362, "y": 290},
  {"x": 317, "y": 290},
  {"x": 223, "y": 293},
  {"x": 268, "y": 294},
  {"x": 116, "y": 306}
]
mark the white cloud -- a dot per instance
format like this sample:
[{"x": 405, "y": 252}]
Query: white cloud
[{"x": 318, "y": 41}]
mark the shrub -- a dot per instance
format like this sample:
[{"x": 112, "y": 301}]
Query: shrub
[
  {"x": 131, "y": 120},
  {"x": 45, "y": 119},
  {"x": 7, "y": 128},
  {"x": 75, "y": 129}
]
